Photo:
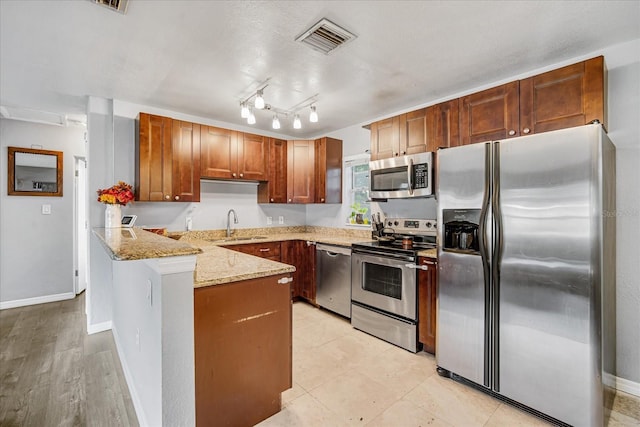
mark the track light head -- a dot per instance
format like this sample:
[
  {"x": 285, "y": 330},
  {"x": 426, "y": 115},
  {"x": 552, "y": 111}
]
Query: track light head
[
  {"x": 297, "y": 124},
  {"x": 313, "y": 116},
  {"x": 259, "y": 101}
]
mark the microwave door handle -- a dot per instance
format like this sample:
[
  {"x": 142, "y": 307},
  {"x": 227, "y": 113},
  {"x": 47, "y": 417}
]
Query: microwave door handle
[{"x": 410, "y": 176}]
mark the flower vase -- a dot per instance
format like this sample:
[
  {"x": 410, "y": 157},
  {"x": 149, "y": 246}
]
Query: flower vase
[{"x": 113, "y": 216}]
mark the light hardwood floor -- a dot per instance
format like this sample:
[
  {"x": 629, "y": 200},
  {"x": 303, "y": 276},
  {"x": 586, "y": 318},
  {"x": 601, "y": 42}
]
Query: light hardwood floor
[{"x": 53, "y": 374}]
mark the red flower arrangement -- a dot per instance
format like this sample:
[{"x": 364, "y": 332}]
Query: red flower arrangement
[{"x": 119, "y": 194}]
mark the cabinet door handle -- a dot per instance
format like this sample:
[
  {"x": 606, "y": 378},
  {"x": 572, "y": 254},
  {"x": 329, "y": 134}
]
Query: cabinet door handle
[
  {"x": 167, "y": 197},
  {"x": 233, "y": 174},
  {"x": 322, "y": 200},
  {"x": 417, "y": 267},
  {"x": 241, "y": 175},
  {"x": 403, "y": 153},
  {"x": 512, "y": 132},
  {"x": 395, "y": 154},
  {"x": 177, "y": 198},
  {"x": 271, "y": 200},
  {"x": 264, "y": 249},
  {"x": 526, "y": 130},
  {"x": 290, "y": 200},
  {"x": 285, "y": 280}
]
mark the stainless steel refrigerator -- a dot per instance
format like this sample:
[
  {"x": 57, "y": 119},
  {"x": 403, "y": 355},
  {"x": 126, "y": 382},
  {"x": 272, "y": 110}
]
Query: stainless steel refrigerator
[{"x": 526, "y": 255}]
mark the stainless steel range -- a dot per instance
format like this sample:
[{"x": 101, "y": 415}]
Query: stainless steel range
[{"x": 384, "y": 280}]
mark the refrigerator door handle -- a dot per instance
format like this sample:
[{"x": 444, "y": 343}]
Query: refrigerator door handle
[
  {"x": 496, "y": 259},
  {"x": 486, "y": 256}
]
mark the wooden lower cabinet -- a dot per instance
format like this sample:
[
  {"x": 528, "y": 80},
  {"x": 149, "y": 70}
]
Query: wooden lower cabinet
[
  {"x": 303, "y": 257},
  {"x": 243, "y": 350},
  {"x": 268, "y": 250},
  {"x": 427, "y": 307}
]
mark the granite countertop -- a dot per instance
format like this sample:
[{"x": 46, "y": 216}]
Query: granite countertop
[
  {"x": 216, "y": 265},
  {"x": 124, "y": 244}
]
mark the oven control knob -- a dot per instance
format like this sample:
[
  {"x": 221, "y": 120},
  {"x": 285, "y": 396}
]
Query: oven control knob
[
  {"x": 396, "y": 223},
  {"x": 428, "y": 224}
]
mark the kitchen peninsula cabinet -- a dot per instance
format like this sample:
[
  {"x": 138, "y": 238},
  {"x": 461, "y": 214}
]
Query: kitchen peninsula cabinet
[
  {"x": 427, "y": 299},
  {"x": 274, "y": 190},
  {"x": 167, "y": 160},
  {"x": 300, "y": 172},
  {"x": 328, "y": 170},
  {"x": 243, "y": 350},
  {"x": 302, "y": 256},
  {"x": 229, "y": 154}
]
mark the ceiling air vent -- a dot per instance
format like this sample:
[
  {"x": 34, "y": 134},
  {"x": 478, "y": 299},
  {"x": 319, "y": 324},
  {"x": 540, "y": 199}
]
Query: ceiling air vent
[
  {"x": 325, "y": 36},
  {"x": 115, "y": 5}
]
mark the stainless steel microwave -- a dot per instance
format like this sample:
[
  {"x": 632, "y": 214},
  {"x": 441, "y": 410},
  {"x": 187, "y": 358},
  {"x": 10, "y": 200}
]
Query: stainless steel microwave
[{"x": 402, "y": 177}]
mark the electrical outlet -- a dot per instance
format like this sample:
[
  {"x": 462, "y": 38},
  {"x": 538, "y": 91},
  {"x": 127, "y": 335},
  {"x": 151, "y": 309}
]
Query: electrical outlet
[
  {"x": 46, "y": 209},
  {"x": 280, "y": 219},
  {"x": 189, "y": 223},
  {"x": 269, "y": 220}
]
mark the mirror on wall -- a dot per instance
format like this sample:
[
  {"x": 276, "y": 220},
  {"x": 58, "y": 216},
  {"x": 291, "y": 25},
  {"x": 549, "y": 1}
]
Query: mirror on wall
[{"x": 34, "y": 172}]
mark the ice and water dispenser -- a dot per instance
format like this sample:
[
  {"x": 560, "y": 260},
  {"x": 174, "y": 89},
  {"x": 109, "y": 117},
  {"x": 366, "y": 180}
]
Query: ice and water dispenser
[{"x": 461, "y": 230}]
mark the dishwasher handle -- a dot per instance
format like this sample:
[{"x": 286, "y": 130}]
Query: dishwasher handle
[{"x": 333, "y": 251}]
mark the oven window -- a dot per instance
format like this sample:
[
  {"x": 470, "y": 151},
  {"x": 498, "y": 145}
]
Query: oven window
[{"x": 382, "y": 279}]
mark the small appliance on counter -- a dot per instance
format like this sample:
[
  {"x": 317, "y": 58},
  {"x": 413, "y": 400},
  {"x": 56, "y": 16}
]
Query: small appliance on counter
[{"x": 384, "y": 279}]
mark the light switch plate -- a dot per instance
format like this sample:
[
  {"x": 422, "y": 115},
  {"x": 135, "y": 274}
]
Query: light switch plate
[
  {"x": 280, "y": 219},
  {"x": 269, "y": 220},
  {"x": 46, "y": 209}
]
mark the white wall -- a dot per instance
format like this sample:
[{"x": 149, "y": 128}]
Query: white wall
[{"x": 36, "y": 255}]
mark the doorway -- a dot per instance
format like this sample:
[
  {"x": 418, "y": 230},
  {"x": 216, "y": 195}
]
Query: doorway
[{"x": 80, "y": 225}]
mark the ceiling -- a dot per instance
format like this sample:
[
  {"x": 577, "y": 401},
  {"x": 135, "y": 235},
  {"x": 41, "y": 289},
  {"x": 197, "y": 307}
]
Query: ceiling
[{"x": 203, "y": 57}]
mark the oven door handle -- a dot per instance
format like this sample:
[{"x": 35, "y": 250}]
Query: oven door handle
[{"x": 417, "y": 267}]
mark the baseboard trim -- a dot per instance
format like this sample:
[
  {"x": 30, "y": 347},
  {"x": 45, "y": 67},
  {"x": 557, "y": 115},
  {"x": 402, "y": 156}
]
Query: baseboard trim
[
  {"x": 98, "y": 327},
  {"x": 622, "y": 384},
  {"x": 36, "y": 300},
  {"x": 135, "y": 398}
]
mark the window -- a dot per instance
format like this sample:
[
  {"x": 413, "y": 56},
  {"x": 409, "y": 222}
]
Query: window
[{"x": 357, "y": 190}]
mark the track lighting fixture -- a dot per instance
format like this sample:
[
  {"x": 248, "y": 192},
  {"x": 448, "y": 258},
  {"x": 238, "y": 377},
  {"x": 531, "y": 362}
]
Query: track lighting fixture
[
  {"x": 244, "y": 110},
  {"x": 255, "y": 101},
  {"x": 275, "y": 123},
  {"x": 259, "y": 101}
]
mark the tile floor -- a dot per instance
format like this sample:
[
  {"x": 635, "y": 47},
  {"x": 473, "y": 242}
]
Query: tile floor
[{"x": 344, "y": 377}]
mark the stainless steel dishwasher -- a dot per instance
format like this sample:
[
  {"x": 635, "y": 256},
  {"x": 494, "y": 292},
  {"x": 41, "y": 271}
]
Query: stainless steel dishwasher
[{"x": 333, "y": 281}]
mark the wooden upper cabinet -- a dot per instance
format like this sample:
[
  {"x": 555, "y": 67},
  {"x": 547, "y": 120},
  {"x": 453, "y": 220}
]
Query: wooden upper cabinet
[
  {"x": 385, "y": 138},
  {"x": 228, "y": 154},
  {"x": 300, "y": 172},
  {"x": 443, "y": 124},
  {"x": 566, "y": 97},
  {"x": 328, "y": 170},
  {"x": 167, "y": 160},
  {"x": 413, "y": 132},
  {"x": 274, "y": 190},
  {"x": 154, "y": 167},
  {"x": 186, "y": 161},
  {"x": 490, "y": 115},
  {"x": 219, "y": 152},
  {"x": 252, "y": 156}
]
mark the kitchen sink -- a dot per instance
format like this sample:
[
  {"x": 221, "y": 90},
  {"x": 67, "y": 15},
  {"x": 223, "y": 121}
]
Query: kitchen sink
[{"x": 237, "y": 239}]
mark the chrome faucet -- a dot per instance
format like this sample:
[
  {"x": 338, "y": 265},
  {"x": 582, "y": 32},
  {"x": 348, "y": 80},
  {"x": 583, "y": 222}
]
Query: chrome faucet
[{"x": 235, "y": 221}]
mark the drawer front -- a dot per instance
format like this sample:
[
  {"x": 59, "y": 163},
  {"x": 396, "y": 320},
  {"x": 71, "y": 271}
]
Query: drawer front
[{"x": 269, "y": 250}]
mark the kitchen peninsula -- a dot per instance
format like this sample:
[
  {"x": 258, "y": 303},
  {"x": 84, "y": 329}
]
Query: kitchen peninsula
[{"x": 186, "y": 311}]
